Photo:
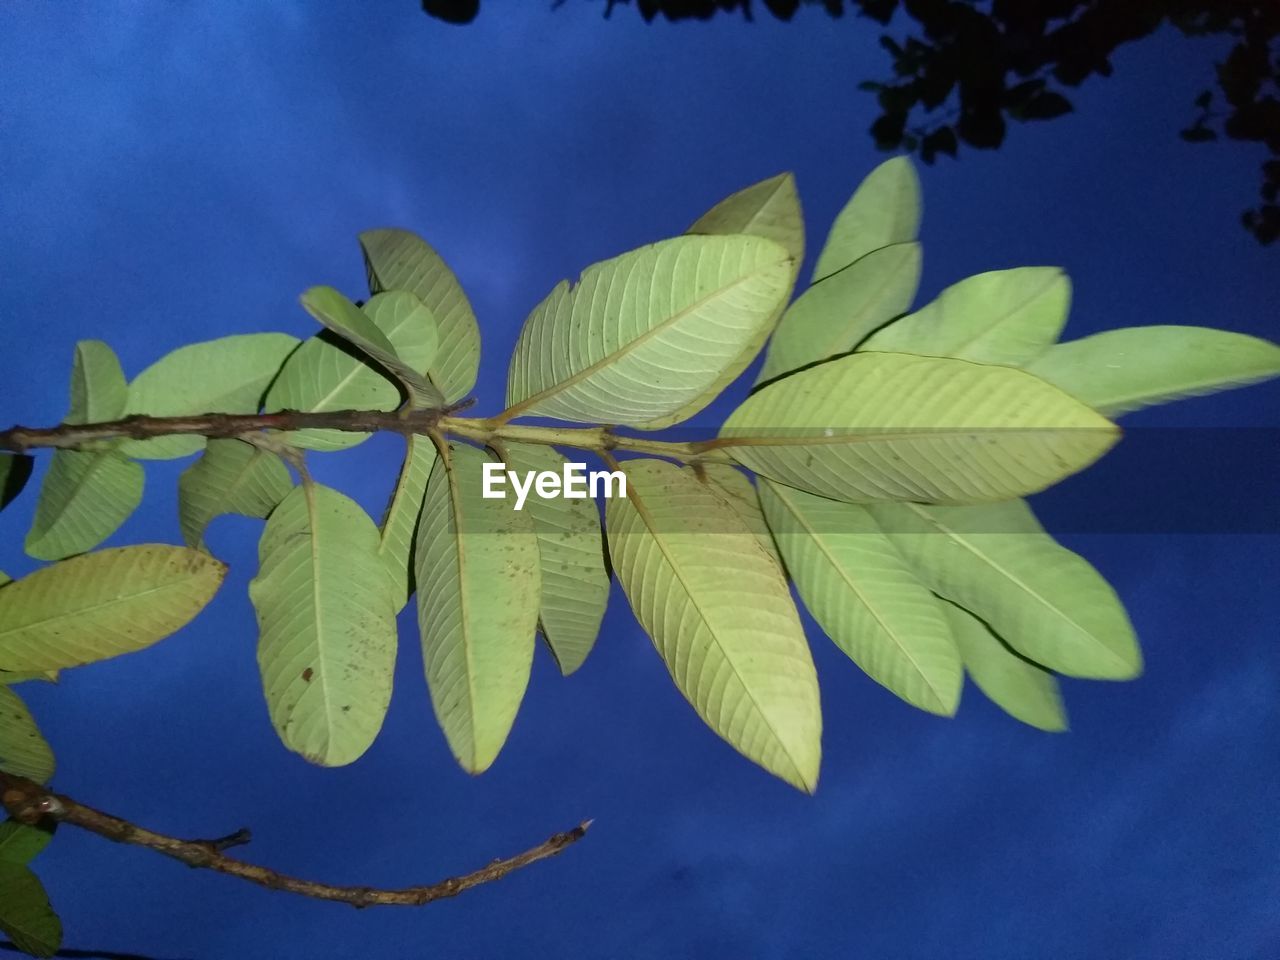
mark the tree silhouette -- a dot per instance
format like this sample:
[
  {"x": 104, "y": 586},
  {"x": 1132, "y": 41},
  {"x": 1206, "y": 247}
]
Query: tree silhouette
[{"x": 970, "y": 66}]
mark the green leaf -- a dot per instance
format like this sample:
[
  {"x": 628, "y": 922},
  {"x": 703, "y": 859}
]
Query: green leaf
[
  {"x": 888, "y": 426},
  {"x": 15, "y": 470},
  {"x": 20, "y": 843},
  {"x": 1024, "y": 690},
  {"x": 227, "y": 375},
  {"x": 575, "y": 584},
  {"x": 26, "y": 917},
  {"x": 997, "y": 562},
  {"x": 337, "y": 313},
  {"x": 326, "y": 623},
  {"x": 720, "y": 615},
  {"x": 734, "y": 487},
  {"x": 833, "y": 316},
  {"x": 103, "y": 604},
  {"x": 10, "y": 677},
  {"x": 884, "y": 209},
  {"x": 85, "y": 497},
  {"x": 99, "y": 391},
  {"x": 646, "y": 335},
  {"x": 1123, "y": 370},
  {"x": 411, "y": 329},
  {"x": 326, "y": 373},
  {"x": 1005, "y": 316},
  {"x": 769, "y": 209},
  {"x": 5, "y": 578},
  {"x": 23, "y": 750},
  {"x": 477, "y": 569},
  {"x": 398, "y": 260},
  {"x": 232, "y": 476},
  {"x": 400, "y": 522},
  {"x": 866, "y": 597}
]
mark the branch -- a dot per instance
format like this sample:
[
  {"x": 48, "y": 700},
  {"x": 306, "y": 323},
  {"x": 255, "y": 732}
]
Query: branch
[
  {"x": 70, "y": 436},
  {"x": 73, "y": 436},
  {"x": 29, "y": 802}
]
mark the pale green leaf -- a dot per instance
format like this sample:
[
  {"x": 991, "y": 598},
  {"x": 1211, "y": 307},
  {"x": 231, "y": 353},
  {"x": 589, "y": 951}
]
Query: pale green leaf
[
  {"x": 865, "y": 596},
  {"x": 833, "y": 316},
  {"x": 398, "y": 260},
  {"x": 103, "y": 604},
  {"x": 734, "y": 487},
  {"x": 476, "y": 565},
  {"x": 327, "y": 374},
  {"x": 997, "y": 562},
  {"x": 20, "y": 843},
  {"x": 23, "y": 750},
  {"x": 1024, "y": 690},
  {"x": 326, "y": 625},
  {"x": 99, "y": 391},
  {"x": 720, "y": 615},
  {"x": 400, "y": 522},
  {"x": 26, "y": 917},
  {"x": 888, "y": 426},
  {"x": 1004, "y": 316},
  {"x": 884, "y": 209},
  {"x": 575, "y": 585},
  {"x": 1123, "y": 370},
  {"x": 646, "y": 335},
  {"x": 334, "y": 311},
  {"x": 232, "y": 476},
  {"x": 227, "y": 375},
  {"x": 85, "y": 497},
  {"x": 409, "y": 326},
  {"x": 10, "y": 677},
  {"x": 15, "y": 470},
  {"x": 769, "y": 209}
]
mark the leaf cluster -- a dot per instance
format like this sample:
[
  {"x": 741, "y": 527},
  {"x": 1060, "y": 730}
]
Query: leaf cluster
[{"x": 874, "y": 476}]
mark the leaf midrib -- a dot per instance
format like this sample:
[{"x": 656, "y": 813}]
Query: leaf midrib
[
  {"x": 755, "y": 271},
  {"x": 821, "y": 544},
  {"x": 460, "y": 553},
  {"x": 322, "y": 662},
  {"x": 87, "y": 611},
  {"x": 995, "y": 323},
  {"x": 637, "y": 501},
  {"x": 927, "y": 433},
  {"x": 345, "y": 380},
  {"x": 78, "y": 489},
  {"x": 1058, "y": 612}
]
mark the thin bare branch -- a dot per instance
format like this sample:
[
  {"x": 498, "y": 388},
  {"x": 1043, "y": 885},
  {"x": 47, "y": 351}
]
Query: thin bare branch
[
  {"x": 237, "y": 839},
  {"x": 29, "y": 802}
]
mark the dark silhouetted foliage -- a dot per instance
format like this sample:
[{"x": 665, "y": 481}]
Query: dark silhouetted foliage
[{"x": 969, "y": 66}]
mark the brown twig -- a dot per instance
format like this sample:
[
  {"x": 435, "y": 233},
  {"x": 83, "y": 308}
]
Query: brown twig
[
  {"x": 29, "y": 802},
  {"x": 262, "y": 429},
  {"x": 237, "y": 839},
  {"x": 69, "y": 436}
]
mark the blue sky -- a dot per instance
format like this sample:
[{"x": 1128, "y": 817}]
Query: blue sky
[{"x": 175, "y": 174}]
